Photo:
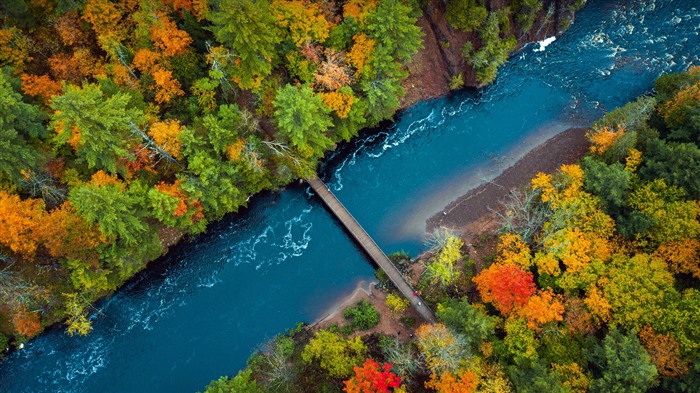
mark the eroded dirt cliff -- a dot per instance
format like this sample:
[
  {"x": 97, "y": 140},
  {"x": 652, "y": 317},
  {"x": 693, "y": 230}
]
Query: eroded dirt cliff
[{"x": 433, "y": 67}]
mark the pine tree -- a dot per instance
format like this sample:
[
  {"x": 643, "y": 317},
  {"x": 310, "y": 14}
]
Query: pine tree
[
  {"x": 98, "y": 127},
  {"x": 249, "y": 29}
]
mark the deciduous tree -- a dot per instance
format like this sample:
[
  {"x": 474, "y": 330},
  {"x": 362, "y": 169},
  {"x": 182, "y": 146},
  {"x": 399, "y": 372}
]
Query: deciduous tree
[
  {"x": 507, "y": 287},
  {"x": 372, "y": 378},
  {"x": 664, "y": 352},
  {"x": 335, "y": 354},
  {"x": 20, "y": 222},
  {"x": 443, "y": 350},
  {"x": 542, "y": 308},
  {"x": 302, "y": 19},
  {"x": 26, "y": 323},
  {"x": 41, "y": 86},
  {"x": 464, "y": 381}
]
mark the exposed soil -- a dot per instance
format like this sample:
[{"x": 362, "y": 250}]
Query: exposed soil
[
  {"x": 440, "y": 59},
  {"x": 565, "y": 148},
  {"x": 388, "y": 324}
]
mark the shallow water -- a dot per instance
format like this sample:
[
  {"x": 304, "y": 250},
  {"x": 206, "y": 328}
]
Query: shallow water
[{"x": 199, "y": 312}]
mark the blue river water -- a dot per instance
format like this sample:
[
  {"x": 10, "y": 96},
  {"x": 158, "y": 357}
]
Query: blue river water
[{"x": 199, "y": 312}]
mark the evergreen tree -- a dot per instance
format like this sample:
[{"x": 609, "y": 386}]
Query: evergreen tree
[
  {"x": 116, "y": 210},
  {"x": 302, "y": 119},
  {"x": 97, "y": 127},
  {"x": 18, "y": 122},
  {"x": 623, "y": 363},
  {"x": 249, "y": 29}
]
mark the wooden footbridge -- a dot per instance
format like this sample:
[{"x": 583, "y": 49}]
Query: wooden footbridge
[{"x": 370, "y": 247}]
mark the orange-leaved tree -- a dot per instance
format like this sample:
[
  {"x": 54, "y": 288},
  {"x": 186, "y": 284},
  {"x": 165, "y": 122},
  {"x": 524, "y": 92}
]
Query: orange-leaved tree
[
  {"x": 19, "y": 223},
  {"x": 67, "y": 234},
  {"x": 26, "y": 323},
  {"x": 542, "y": 308},
  {"x": 507, "y": 287},
  {"x": 40, "y": 86},
  {"x": 168, "y": 38},
  {"x": 464, "y": 382},
  {"x": 360, "y": 52},
  {"x": 664, "y": 352},
  {"x": 166, "y": 135}
]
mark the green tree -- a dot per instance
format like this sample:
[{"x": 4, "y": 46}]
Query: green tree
[
  {"x": 611, "y": 183},
  {"x": 671, "y": 218},
  {"x": 116, "y": 210},
  {"x": 362, "y": 316},
  {"x": 441, "y": 270},
  {"x": 623, "y": 364},
  {"x": 526, "y": 13},
  {"x": 221, "y": 181},
  {"x": 249, "y": 29},
  {"x": 382, "y": 96},
  {"x": 637, "y": 288},
  {"x": 394, "y": 28},
  {"x": 335, "y": 354},
  {"x": 520, "y": 341},
  {"x": 680, "y": 320},
  {"x": 466, "y": 15},
  {"x": 531, "y": 375},
  {"x": 19, "y": 121},
  {"x": 302, "y": 119},
  {"x": 470, "y": 322},
  {"x": 677, "y": 163},
  {"x": 98, "y": 127},
  {"x": 497, "y": 44},
  {"x": 241, "y": 383}
]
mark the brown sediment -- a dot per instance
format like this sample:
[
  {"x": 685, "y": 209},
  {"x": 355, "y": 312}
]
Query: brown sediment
[{"x": 461, "y": 214}]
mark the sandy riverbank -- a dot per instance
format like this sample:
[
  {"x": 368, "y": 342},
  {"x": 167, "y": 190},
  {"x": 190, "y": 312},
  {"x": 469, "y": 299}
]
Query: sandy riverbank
[{"x": 566, "y": 147}]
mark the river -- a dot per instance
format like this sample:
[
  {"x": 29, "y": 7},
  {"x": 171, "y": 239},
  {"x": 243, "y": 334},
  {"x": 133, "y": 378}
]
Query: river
[{"x": 199, "y": 312}]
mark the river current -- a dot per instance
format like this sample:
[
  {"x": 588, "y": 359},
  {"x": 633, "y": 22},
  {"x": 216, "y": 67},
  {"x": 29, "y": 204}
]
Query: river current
[{"x": 200, "y": 311}]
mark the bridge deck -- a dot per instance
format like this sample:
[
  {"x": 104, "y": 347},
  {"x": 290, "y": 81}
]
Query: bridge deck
[{"x": 368, "y": 244}]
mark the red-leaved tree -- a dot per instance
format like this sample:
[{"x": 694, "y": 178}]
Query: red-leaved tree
[
  {"x": 507, "y": 287},
  {"x": 372, "y": 378}
]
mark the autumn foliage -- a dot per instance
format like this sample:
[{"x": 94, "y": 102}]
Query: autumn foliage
[
  {"x": 464, "y": 382},
  {"x": 40, "y": 86},
  {"x": 372, "y": 378},
  {"x": 360, "y": 52},
  {"x": 26, "y": 323},
  {"x": 166, "y": 135},
  {"x": 507, "y": 287},
  {"x": 602, "y": 139},
  {"x": 664, "y": 352},
  {"x": 542, "y": 308},
  {"x": 20, "y": 223}
]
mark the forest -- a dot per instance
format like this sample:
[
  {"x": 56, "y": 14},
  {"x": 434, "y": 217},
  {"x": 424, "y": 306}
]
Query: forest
[
  {"x": 593, "y": 284},
  {"x": 128, "y": 125}
]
